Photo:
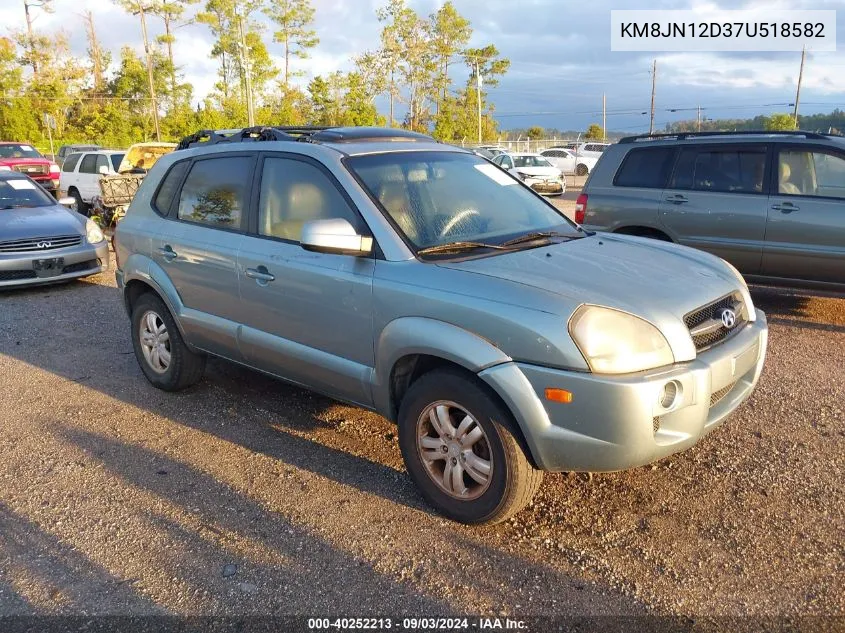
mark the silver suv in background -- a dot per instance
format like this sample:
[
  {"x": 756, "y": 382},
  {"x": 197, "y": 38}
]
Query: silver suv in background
[
  {"x": 771, "y": 204},
  {"x": 420, "y": 281}
]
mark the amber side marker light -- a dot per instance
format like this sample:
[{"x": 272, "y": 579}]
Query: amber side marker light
[{"x": 559, "y": 395}]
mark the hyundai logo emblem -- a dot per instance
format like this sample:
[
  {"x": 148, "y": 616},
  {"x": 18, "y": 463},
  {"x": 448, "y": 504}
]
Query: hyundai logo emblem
[
  {"x": 44, "y": 244},
  {"x": 728, "y": 318}
]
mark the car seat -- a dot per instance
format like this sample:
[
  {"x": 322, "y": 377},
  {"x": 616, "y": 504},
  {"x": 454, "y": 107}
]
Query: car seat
[{"x": 784, "y": 184}]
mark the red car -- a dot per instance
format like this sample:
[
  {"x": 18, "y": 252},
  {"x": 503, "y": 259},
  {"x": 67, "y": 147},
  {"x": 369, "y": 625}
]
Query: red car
[{"x": 25, "y": 159}]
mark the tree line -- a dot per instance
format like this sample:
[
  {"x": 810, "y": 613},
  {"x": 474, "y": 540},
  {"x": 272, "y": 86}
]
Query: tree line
[{"x": 413, "y": 69}]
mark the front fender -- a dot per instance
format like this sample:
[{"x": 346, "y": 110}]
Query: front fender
[{"x": 419, "y": 335}]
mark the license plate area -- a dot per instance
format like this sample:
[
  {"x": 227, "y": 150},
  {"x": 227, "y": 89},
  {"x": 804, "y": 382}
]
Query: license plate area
[{"x": 48, "y": 267}]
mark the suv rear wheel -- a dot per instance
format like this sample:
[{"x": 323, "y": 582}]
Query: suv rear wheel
[
  {"x": 159, "y": 348},
  {"x": 461, "y": 450}
]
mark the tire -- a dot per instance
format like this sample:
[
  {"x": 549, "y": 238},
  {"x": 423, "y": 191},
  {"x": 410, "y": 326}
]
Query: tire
[
  {"x": 511, "y": 480},
  {"x": 581, "y": 170},
  {"x": 183, "y": 367},
  {"x": 81, "y": 207}
]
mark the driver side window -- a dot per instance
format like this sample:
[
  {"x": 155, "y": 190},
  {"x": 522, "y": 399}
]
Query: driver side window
[{"x": 294, "y": 192}]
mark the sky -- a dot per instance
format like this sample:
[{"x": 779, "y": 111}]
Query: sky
[{"x": 561, "y": 62}]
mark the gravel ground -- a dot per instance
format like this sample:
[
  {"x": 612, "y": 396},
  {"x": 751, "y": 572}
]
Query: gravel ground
[{"x": 244, "y": 495}]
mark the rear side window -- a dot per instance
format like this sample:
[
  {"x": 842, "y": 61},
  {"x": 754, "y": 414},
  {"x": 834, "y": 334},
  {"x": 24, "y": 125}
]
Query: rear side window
[
  {"x": 215, "y": 191},
  {"x": 102, "y": 161},
  {"x": 169, "y": 187},
  {"x": 115, "y": 160},
  {"x": 728, "y": 170},
  {"x": 646, "y": 167},
  {"x": 89, "y": 164},
  {"x": 70, "y": 162}
]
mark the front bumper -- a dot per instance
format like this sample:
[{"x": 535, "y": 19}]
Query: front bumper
[
  {"x": 617, "y": 422},
  {"x": 16, "y": 269}
]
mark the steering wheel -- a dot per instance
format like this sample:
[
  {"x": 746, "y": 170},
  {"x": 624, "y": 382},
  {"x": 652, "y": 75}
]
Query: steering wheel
[{"x": 456, "y": 221}]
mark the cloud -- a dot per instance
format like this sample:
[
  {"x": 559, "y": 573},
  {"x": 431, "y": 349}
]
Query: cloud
[{"x": 561, "y": 62}]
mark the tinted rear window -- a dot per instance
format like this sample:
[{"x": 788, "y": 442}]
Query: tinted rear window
[
  {"x": 215, "y": 191},
  {"x": 646, "y": 167},
  {"x": 169, "y": 186},
  {"x": 115, "y": 160},
  {"x": 70, "y": 162}
]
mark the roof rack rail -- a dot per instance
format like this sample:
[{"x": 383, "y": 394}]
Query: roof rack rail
[
  {"x": 313, "y": 134},
  {"x": 685, "y": 135},
  {"x": 248, "y": 134}
]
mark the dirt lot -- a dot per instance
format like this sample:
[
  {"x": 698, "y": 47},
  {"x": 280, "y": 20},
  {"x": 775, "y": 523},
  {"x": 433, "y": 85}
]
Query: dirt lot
[{"x": 244, "y": 495}]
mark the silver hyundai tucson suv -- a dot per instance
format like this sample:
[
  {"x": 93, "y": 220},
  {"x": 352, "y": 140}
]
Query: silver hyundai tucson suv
[{"x": 420, "y": 281}]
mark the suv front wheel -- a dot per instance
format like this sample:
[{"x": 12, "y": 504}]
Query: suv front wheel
[
  {"x": 159, "y": 348},
  {"x": 460, "y": 448}
]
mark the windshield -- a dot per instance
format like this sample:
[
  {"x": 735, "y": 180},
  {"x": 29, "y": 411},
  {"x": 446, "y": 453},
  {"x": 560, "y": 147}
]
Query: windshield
[
  {"x": 22, "y": 192},
  {"x": 530, "y": 161},
  {"x": 13, "y": 150},
  {"x": 442, "y": 197},
  {"x": 115, "y": 161}
]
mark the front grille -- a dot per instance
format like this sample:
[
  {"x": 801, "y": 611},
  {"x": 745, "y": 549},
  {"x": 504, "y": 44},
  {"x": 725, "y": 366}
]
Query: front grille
[
  {"x": 40, "y": 243},
  {"x": 80, "y": 266},
  {"x": 705, "y": 324},
  {"x": 14, "y": 275},
  {"x": 32, "y": 169},
  {"x": 716, "y": 396}
]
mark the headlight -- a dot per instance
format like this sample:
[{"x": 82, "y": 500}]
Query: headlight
[
  {"x": 94, "y": 234},
  {"x": 615, "y": 342},
  {"x": 5, "y": 168}
]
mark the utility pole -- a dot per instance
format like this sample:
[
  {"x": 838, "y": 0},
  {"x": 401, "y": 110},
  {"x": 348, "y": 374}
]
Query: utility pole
[
  {"x": 699, "y": 118},
  {"x": 653, "y": 86},
  {"x": 250, "y": 111},
  {"x": 149, "y": 69},
  {"x": 478, "y": 95},
  {"x": 604, "y": 116},
  {"x": 798, "y": 91}
]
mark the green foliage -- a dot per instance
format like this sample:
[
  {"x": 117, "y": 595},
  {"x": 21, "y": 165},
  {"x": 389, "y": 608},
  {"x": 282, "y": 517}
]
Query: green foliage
[
  {"x": 105, "y": 96},
  {"x": 294, "y": 19},
  {"x": 779, "y": 122},
  {"x": 536, "y": 132},
  {"x": 594, "y": 132}
]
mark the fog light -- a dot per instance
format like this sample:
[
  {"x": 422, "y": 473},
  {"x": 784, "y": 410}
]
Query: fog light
[{"x": 670, "y": 394}]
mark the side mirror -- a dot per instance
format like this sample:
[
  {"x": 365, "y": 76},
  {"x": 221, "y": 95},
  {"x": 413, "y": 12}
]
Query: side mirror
[
  {"x": 335, "y": 236},
  {"x": 67, "y": 201},
  {"x": 103, "y": 170}
]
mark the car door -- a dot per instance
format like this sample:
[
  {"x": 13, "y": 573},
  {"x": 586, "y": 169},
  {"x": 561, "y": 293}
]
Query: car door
[
  {"x": 716, "y": 201},
  {"x": 86, "y": 177},
  {"x": 805, "y": 231},
  {"x": 306, "y": 316},
  {"x": 197, "y": 247}
]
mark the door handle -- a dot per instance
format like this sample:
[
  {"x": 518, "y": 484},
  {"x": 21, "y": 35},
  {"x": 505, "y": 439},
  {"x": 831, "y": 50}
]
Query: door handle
[
  {"x": 677, "y": 199},
  {"x": 168, "y": 253},
  {"x": 786, "y": 207},
  {"x": 260, "y": 274}
]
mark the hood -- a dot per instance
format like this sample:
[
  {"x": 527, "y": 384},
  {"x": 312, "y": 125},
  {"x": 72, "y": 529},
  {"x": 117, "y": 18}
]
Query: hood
[
  {"x": 545, "y": 172},
  {"x": 39, "y": 222},
  {"x": 145, "y": 153},
  {"x": 24, "y": 161},
  {"x": 656, "y": 281}
]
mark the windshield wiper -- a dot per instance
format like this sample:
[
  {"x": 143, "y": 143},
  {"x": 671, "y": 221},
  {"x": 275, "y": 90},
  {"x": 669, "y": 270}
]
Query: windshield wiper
[
  {"x": 16, "y": 206},
  {"x": 539, "y": 235},
  {"x": 451, "y": 247}
]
